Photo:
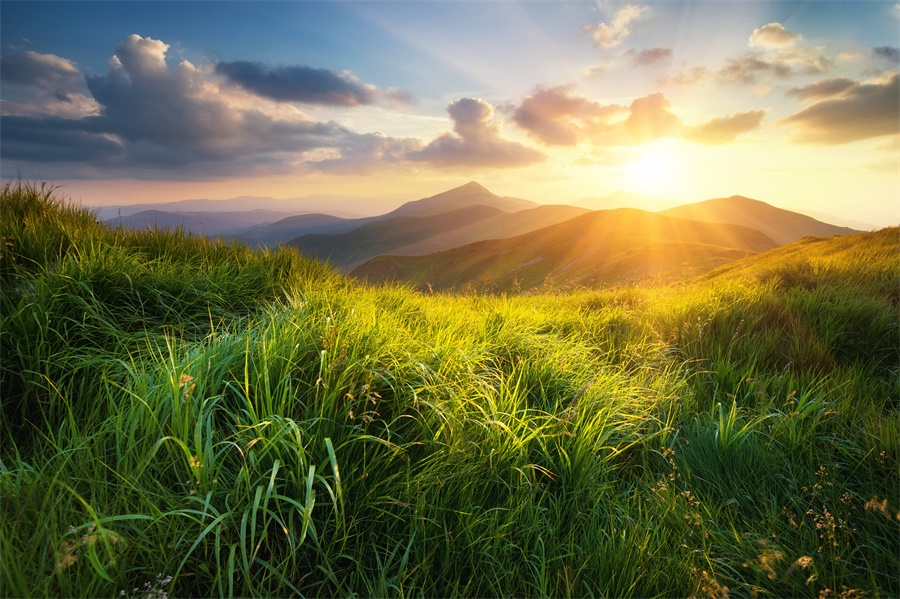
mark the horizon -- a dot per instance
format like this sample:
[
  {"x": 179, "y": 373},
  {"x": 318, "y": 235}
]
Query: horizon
[{"x": 793, "y": 104}]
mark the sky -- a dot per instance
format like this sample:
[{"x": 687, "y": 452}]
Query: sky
[{"x": 793, "y": 103}]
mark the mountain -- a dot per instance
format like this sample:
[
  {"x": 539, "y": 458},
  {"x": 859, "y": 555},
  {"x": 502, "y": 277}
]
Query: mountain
[
  {"x": 210, "y": 224},
  {"x": 414, "y": 235},
  {"x": 470, "y": 194},
  {"x": 781, "y": 225},
  {"x": 295, "y": 226},
  {"x": 595, "y": 249},
  {"x": 343, "y": 206}
]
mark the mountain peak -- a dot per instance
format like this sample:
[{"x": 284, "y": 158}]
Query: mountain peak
[{"x": 472, "y": 187}]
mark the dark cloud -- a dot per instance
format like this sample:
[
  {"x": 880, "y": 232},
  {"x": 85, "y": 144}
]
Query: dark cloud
[
  {"x": 866, "y": 111},
  {"x": 304, "y": 84},
  {"x": 153, "y": 118},
  {"x": 650, "y": 57},
  {"x": 31, "y": 68},
  {"x": 749, "y": 69},
  {"x": 54, "y": 139},
  {"x": 43, "y": 84},
  {"x": 725, "y": 129},
  {"x": 888, "y": 53},
  {"x": 822, "y": 88},
  {"x": 558, "y": 116},
  {"x": 477, "y": 141}
]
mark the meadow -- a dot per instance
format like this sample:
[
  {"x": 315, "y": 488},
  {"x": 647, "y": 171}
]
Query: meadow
[{"x": 191, "y": 417}]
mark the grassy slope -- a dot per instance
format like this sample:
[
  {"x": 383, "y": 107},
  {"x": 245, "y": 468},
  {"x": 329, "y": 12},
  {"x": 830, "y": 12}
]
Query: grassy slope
[
  {"x": 253, "y": 424},
  {"x": 595, "y": 248}
]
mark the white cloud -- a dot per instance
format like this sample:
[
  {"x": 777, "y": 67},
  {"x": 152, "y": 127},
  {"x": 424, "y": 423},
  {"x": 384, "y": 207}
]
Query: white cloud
[
  {"x": 774, "y": 35},
  {"x": 612, "y": 34}
]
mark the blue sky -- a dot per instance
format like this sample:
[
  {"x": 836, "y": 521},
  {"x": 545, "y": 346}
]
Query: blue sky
[{"x": 788, "y": 102}]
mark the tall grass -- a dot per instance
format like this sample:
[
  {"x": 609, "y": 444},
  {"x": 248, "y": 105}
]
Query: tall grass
[{"x": 187, "y": 416}]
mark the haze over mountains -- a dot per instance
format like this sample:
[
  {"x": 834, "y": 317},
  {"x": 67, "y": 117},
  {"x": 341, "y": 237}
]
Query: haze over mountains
[
  {"x": 783, "y": 226},
  {"x": 471, "y": 238},
  {"x": 596, "y": 249}
]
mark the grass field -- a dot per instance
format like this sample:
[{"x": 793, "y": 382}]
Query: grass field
[{"x": 188, "y": 417}]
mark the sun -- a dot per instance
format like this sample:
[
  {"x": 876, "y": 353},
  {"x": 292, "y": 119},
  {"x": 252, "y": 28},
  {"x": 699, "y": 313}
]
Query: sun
[{"x": 656, "y": 171}]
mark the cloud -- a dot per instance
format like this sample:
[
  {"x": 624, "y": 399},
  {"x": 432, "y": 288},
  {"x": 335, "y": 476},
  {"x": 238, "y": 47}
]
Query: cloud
[
  {"x": 477, "y": 141},
  {"x": 774, "y": 35},
  {"x": 865, "y": 111},
  {"x": 155, "y": 120},
  {"x": 597, "y": 70},
  {"x": 690, "y": 77},
  {"x": 612, "y": 34},
  {"x": 651, "y": 119},
  {"x": 365, "y": 153},
  {"x": 822, "y": 88},
  {"x": 43, "y": 84},
  {"x": 305, "y": 84},
  {"x": 651, "y": 57},
  {"x": 725, "y": 129},
  {"x": 748, "y": 69},
  {"x": 558, "y": 116},
  {"x": 776, "y": 56},
  {"x": 888, "y": 53}
]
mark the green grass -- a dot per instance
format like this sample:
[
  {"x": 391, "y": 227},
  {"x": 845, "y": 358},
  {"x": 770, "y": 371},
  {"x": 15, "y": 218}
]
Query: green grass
[{"x": 191, "y": 417}]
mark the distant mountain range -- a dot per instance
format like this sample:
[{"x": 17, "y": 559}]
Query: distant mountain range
[
  {"x": 210, "y": 224},
  {"x": 463, "y": 215},
  {"x": 336, "y": 205},
  {"x": 469, "y": 237},
  {"x": 599, "y": 248},
  {"x": 783, "y": 226}
]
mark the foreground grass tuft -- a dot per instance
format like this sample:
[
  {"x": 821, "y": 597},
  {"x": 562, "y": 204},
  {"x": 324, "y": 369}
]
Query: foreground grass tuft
[{"x": 191, "y": 417}]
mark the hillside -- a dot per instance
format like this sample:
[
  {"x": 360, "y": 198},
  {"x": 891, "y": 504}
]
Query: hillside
[
  {"x": 187, "y": 417},
  {"x": 781, "y": 225},
  {"x": 595, "y": 249},
  {"x": 410, "y": 236},
  {"x": 291, "y": 227}
]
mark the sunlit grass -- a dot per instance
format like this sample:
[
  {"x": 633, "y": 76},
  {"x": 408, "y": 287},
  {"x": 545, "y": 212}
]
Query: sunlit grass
[{"x": 190, "y": 417}]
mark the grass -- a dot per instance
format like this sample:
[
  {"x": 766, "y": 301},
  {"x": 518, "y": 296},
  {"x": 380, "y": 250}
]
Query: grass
[{"x": 192, "y": 417}]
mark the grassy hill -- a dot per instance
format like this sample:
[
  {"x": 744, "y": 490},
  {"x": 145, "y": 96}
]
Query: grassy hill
[
  {"x": 189, "y": 417},
  {"x": 781, "y": 225},
  {"x": 599, "y": 248}
]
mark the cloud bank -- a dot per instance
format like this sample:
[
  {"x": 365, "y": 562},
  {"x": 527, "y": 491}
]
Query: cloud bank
[
  {"x": 305, "y": 84},
  {"x": 864, "y": 111},
  {"x": 153, "y": 120},
  {"x": 476, "y": 142},
  {"x": 559, "y": 116}
]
